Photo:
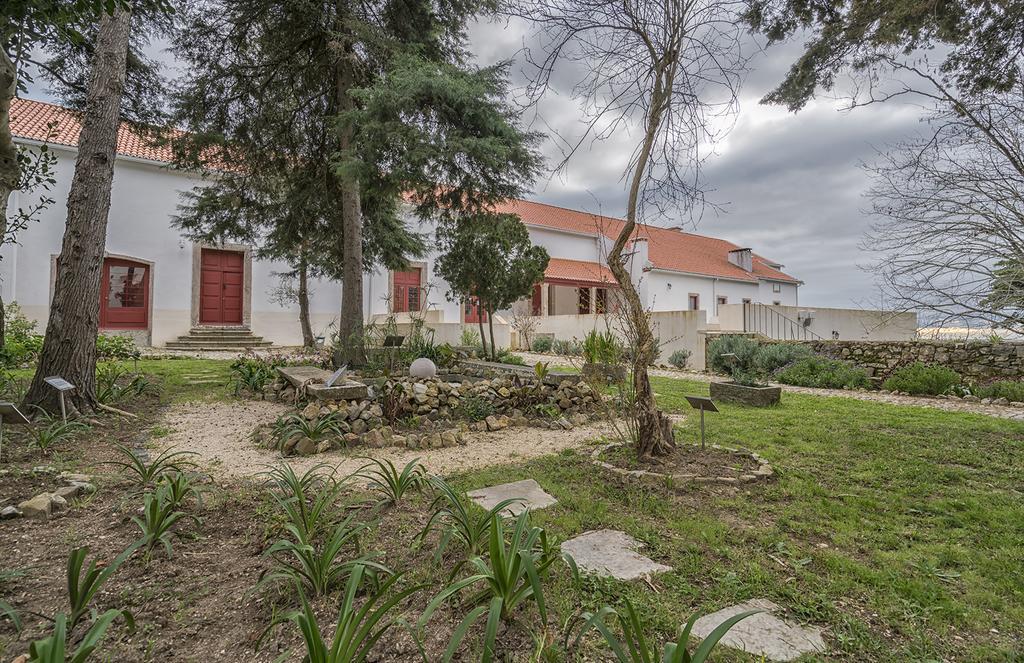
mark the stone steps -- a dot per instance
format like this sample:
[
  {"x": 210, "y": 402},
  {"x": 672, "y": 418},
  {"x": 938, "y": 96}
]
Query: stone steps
[{"x": 223, "y": 339}]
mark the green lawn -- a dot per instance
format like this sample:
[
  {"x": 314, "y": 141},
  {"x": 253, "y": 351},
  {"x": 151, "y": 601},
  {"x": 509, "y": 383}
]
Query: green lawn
[{"x": 901, "y": 529}]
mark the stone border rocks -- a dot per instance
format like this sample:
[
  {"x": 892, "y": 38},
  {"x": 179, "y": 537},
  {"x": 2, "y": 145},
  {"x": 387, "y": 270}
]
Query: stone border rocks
[
  {"x": 763, "y": 472},
  {"x": 43, "y": 505}
]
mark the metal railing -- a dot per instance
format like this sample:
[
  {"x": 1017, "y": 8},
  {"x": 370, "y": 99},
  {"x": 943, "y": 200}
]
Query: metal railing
[{"x": 765, "y": 320}]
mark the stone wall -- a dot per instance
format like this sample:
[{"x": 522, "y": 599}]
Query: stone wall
[{"x": 981, "y": 361}]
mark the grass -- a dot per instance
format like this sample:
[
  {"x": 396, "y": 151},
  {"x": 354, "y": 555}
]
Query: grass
[{"x": 899, "y": 528}]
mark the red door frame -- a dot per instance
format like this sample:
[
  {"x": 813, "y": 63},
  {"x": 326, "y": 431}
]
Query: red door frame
[
  {"x": 406, "y": 295},
  {"x": 473, "y": 312},
  {"x": 124, "y": 317},
  {"x": 221, "y": 287}
]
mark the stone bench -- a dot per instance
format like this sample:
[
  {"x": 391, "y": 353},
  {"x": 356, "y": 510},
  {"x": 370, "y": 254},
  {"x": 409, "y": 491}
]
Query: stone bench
[{"x": 315, "y": 382}]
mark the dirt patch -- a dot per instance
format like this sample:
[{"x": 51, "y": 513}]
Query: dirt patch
[
  {"x": 219, "y": 433},
  {"x": 686, "y": 460}
]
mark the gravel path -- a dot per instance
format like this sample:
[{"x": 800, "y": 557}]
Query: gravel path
[
  {"x": 952, "y": 405},
  {"x": 219, "y": 433}
]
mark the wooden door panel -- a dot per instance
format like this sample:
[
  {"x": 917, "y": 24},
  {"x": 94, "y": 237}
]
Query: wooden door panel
[{"x": 221, "y": 287}]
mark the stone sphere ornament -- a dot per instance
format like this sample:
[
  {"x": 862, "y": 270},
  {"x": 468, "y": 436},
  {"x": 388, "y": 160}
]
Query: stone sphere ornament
[{"x": 423, "y": 369}]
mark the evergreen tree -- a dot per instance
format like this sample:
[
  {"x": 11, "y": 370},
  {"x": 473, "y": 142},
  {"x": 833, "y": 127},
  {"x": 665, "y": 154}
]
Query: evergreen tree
[
  {"x": 489, "y": 257},
  {"x": 331, "y": 112}
]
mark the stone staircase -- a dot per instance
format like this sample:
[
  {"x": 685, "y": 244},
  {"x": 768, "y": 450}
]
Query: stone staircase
[{"x": 223, "y": 339}]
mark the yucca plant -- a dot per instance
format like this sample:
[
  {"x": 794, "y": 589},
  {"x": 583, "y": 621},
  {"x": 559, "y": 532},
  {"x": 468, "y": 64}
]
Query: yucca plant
[
  {"x": 251, "y": 374},
  {"x": 321, "y": 565},
  {"x": 54, "y": 648},
  {"x": 305, "y": 500},
  {"x": 50, "y": 430},
  {"x": 635, "y": 648},
  {"x": 159, "y": 515},
  {"x": 146, "y": 475},
  {"x": 384, "y": 478},
  {"x": 357, "y": 629},
  {"x": 459, "y": 522},
  {"x": 295, "y": 426},
  {"x": 82, "y": 587},
  {"x": 511, "y": 577}
]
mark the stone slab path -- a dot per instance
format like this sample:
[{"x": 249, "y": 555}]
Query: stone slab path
[
  {"x": 608, "y": 552},
  {"x": 527, "y": 493},
  {"x": 957, "y": 405},
  {"x": 763, "y": 634}
]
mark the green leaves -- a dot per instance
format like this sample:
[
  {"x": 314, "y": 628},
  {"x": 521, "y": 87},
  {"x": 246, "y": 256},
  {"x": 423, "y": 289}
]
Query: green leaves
[
  {"x": 53, "y": 649},
  {"x": 83, "y": 587},
  {"x": 385, "y": 478},
  {"x": 146, "y": 475},
  {"x": 159, "y": 515}
]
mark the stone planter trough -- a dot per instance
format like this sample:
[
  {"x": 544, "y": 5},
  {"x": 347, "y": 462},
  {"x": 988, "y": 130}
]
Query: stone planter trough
[{"x": 730, "y": 392}]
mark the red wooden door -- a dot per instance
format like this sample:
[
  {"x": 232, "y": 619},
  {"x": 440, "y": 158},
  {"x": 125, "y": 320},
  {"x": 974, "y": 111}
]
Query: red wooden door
[
  {"x": 124, "y": 295},
  {"x": 535, "y": 305},
  {"x": 407, "y": 291},
  {"x": 220, "y": 288},
  {"x": 473, "y": 311}
]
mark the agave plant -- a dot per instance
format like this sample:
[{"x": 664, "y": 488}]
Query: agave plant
[
  {"x": 358, "y": 628},
  {"x": 50, "y": 430},
  {"x": 510, "y": 577},
  {"x": 459, "y": 522},
  {"x": 146, "y": 475},
  {"x": 385, "y": 478},
  {"x": 159, "y": 515},
  {"x": 636, "y": 648}
]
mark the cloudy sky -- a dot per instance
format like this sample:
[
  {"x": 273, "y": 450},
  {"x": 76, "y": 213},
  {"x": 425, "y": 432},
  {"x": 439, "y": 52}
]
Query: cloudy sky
[{"x": 789, "y": 185}]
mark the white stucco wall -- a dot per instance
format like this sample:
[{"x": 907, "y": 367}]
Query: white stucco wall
[
  {"x": 566, "y": 245},
  {"x": 850, "y": 324},
  {"x": 669, "y": 291},
  {"x": 144, "y": 198}
]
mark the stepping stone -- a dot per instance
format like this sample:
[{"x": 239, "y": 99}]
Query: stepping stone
[
  {"x": 610, "y": 553},
  {"x": 763, "y": 634},
  {"x": 527, "y": 493}
]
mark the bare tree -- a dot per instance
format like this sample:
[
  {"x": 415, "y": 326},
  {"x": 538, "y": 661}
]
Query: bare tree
[
  {"x": 671, "y": 69},
  {"x": 950, "y": 206}
]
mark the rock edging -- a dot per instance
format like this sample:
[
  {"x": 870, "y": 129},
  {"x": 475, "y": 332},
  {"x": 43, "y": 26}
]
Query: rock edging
[{"x": 763, "y": 472}]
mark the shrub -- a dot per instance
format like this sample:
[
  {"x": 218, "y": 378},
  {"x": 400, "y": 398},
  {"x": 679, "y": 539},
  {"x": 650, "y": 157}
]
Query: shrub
[
  {"x": 505, "y": 356},
  {"x": 679, "y": 358},
  {"x": 50, "y": 430},
  {"x": 470, "y": 337},
  {"x": 116, "y": 347},
  {"x": 252, "y": 374},
  {"x": 475, "y": 408},
  {"x": 601, "y": 348},
  {"x": 1008, "y": 389},
  {"x": 824, "y": 373},
  {"x": 744, "y": 348},
  {"x": 919, "y": 378},
  {"x": 115, "y": 383},
  {"x": 542, "y": 344},
  {"x": 570, "y": 348},
  {"x": 384, "y": 478},
  {"x": 771, "y": 357}
]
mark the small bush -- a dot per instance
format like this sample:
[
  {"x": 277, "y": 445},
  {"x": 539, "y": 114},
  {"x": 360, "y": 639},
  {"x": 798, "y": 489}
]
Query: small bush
[
  {"x": 505, "y": 356},
  {"x": 116, "y": 347},
  {"x": 543, "y": 344},
  {"x": 824, "y": 373},
  {"x": 679, "y": 358},
  {"x": 771, "y": 357},
  {"x": 1008, "y": 389},
  {"x": 744, "y": 348},
  {"x": 601, "y": 348},
  {"x": 568, "y": 348},
  {"x": 475, "y": 408},
  {"x": 918, "y": 378},
  {"x": 470, "y": 337}
]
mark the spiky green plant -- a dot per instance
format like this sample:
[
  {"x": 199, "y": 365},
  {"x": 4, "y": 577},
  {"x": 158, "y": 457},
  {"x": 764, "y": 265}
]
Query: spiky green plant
[
  {"x": 305, "y": 500},
  {"x": 357, "y": 629},
  {"x": 82, "y": 587},
  {"x": 159, "y": 515},
  {"x": 115, "y": 383},
  {"x": 146, "y": 475},
  {"x": 636, "y": 648},
  {"x": 54, "y": 647},
  {"x": 510, "y": 577},
  {"x": 50, "y": 430},
  {"x": 319, "y": 566},
  {"x": 384, "y": 478},
  {"x": 7, "y": 610},
  {"x": 179, "y": 487},
  {"x": 297, "y": 427},
  {"x": 460, "y": 523}
]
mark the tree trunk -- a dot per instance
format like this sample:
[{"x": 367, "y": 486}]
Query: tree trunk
[
  {"x": 350, "y": 324},
  {"x": 10, "y": 173},
  {"x": 69, "y": 349},
  {"x": 490, "y": 329},
  {"x": 307, "y": 329},
  {"x": 654, "y": 436},
  {"x": 480, "y": 324}
]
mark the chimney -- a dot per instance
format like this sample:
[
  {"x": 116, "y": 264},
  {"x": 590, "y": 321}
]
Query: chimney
[{"x": 742, "y": 258}]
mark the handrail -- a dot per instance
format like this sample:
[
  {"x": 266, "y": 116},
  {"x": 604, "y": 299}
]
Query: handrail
[{"x": 763, "y": 319}]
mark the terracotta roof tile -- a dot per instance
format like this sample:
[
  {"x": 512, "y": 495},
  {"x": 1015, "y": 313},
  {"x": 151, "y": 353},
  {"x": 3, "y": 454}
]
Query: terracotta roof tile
[
  {"x": 667, "y": 249},
  {"x": 30, "y": 120},
  {"x": 562, "y": 269}
]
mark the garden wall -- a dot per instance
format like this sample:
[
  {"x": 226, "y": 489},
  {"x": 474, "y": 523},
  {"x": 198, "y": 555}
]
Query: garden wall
[
  {"x": 849, "y": 324},
  {"x": 973, "y": 360}
]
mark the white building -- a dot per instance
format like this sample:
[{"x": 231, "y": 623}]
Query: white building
[{"x": 159, "y": 286}]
